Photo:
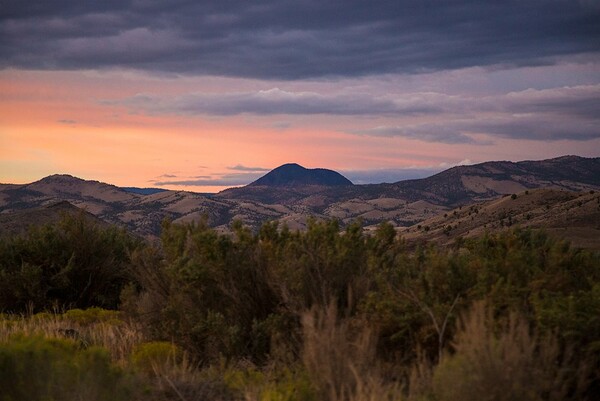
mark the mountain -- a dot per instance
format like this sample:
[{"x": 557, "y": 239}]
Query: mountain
[
  {"x": 96, "y": 197},
  {"x": 294, "y": 175},
  {"x": 456, "y": 186},
  {"x": 489, "y": 180},
  {"x": 20, "y": 221},
  {"x": 574, "y": 216},
  {"x": 141, "y": 214},
  {"x": 289, "y": 194}
]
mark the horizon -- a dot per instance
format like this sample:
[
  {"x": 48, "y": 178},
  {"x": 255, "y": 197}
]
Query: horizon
[
  {"x": 418, "y": 174},
  {"x": 408, "y": 175},
  {"x": 202, "y": 97}
]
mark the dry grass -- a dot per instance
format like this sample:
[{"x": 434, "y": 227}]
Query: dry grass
[
  {"x": 340, "y": 359},
  {"x": 507, "y": 361},
  {"x": 117, "y": 336},
  {"x": 155, "y": 374}
]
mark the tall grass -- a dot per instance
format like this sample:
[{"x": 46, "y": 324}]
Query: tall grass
[
  {"x": 91, "y": 327},
  {"x": 507, "y": 360},
  {"x": 340, "y": 358},
  {"x": 94, "y": 354}
]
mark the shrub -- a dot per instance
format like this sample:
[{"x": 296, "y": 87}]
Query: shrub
[
  {"x": 156, "y": 358},
  {"x": 287, "y": 384},
  {"x": 35, "y": 368},
  {"x": 73, "y": 263},
  {"x": 506, "y": 361},
  {"x": 92, "y": 315},
  {"x": 245, "y": 297}
]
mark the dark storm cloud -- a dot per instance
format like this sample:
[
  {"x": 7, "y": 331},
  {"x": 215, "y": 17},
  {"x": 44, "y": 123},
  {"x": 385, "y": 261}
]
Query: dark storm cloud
[{"x": 288, "y": 39}]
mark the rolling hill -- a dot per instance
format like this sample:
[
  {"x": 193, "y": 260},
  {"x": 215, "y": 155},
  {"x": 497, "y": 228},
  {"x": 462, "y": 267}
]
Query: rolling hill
[
  {"x": 292, "y": 194},
  {"x": 570, "y": 215}
]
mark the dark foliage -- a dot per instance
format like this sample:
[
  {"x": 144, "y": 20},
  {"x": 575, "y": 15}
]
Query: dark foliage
[
  {"x": 75, "y": 263},
  {"x": 245, "y": 296},
  {"x": 240, "y": 296}
]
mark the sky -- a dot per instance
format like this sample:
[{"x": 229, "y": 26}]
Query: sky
[{"x": 203, "y": 95}]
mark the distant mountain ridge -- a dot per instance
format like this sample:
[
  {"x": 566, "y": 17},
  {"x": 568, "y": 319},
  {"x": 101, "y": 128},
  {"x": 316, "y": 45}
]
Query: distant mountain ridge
[
  {"x": 489, "y": 180},
  {"x": 293, "y": 175},
  {"x": 292, "y": 194},
  {"x": 449, "y": 188}
]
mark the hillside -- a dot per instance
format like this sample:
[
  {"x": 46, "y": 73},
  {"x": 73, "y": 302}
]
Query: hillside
[
  {"x": 20, "y": 221},
  {"x": 449, "y": 188},
  {"x": 574, "y": 216},
  {"x": 288, "y": 198},
  {"x": 465, "y": 184}
]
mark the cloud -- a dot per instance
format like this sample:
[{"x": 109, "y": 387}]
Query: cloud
[
  {"x": 534, "y": 128},
  {"x": 277, "y": 101},
  {"x": 566, "y": 113},
  {"x": 67, "y": 122},
  {"x": 547, "y": 114},
  {"x": 578, "y": 101},
  {"x": 199, "y": 183},
  {"x": 239, "y": 167},
  {"x": 281, "y": 125},
  {"x": 377, "y": 176},
  {"x": 391, "y": 175},
  {"x": 219, "y": 180},
  {"x": 424, "y": 132},
  {"x": 274, "y": 39},
  {"x": 537, "y": 128},
  {"x": 464, "y": 162}
]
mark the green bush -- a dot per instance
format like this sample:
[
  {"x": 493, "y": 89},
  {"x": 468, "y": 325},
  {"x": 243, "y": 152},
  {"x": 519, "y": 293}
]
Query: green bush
[
  {"x": 241, "y": 296},
  {"x": 283, "y": 385},
  {"x": 36, "y": 368},
  {"x": 73, "y": 263},
  {"x": 92, "y": 315},
  {"x": 156, "y": 357}
]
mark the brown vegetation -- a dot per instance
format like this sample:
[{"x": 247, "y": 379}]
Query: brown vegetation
[{"x": 322, "y": 314}]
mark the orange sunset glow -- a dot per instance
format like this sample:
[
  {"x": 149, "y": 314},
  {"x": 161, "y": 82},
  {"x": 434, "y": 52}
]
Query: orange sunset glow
[{"x": 206, "y": 127}]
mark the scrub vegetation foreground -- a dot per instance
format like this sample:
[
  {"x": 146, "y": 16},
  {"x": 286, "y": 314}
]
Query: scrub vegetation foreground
[{"x": 92, "y": 313}]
